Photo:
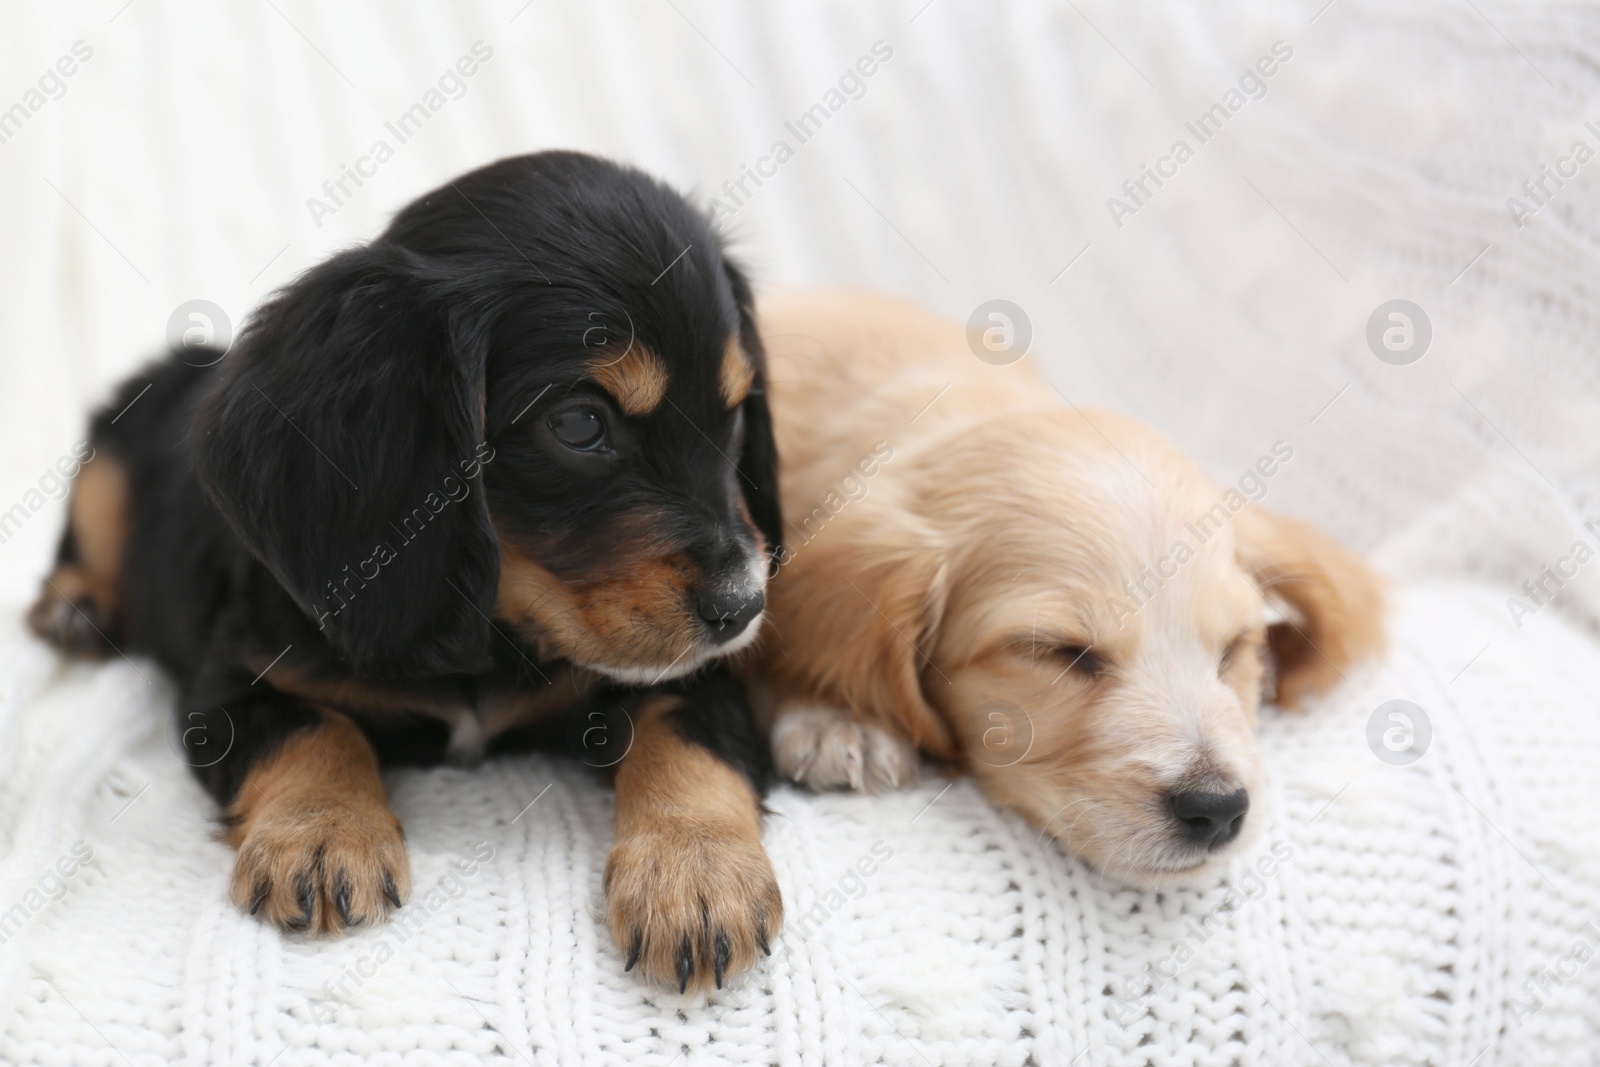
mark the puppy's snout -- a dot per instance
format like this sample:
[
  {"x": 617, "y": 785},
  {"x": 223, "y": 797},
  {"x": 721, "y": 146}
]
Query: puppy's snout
[
  {"x": 727, "y": 612},
  {"x": 1210, "y": 820}
]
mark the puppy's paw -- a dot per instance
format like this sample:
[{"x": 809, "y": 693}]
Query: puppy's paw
[
  {"x": 689, "y": 906},
  {"x": 321, "y": 863},
  {"x": 824, "y": 748},
  {"x": 67, "y": 616}
]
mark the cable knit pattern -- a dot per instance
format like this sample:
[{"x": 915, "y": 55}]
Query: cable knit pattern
[
  {"x": 1403, "y": 916},
  {"x": 1430, "y": 914}
]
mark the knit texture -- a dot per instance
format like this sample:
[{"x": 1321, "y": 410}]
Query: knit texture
[
  {"x": 1430, "y": 914},
  {"x": 1388, "y": 914}
]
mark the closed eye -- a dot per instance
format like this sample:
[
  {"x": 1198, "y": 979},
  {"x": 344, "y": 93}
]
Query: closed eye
[
  {"x": 1082, "y": 659},
  {"x": 1235, "y": 647}
]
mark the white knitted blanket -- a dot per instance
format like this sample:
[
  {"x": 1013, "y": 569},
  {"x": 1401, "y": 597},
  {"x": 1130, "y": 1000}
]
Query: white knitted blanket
[
  {"x": 1445, "y": 912},
  {"x": 1439, "y": 913}
]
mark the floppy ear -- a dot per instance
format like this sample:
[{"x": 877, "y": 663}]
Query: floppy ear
[
  {"x": 1333, "y": 600},
  {"x": 343, "y": 443},
  {"x": 758, "y": 464},
  {"x": 861, "y": 618}
]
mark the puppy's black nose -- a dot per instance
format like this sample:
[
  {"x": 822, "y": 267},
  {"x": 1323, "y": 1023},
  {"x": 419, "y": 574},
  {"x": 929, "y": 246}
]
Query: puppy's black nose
[
  {"x": 726, "y": 614},
  {"x": 1210, "y": 819}
]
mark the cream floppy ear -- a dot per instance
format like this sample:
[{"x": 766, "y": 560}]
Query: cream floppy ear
[
  {"x": 870, "y": 658},
  {"x": 1332, "y": 599}
]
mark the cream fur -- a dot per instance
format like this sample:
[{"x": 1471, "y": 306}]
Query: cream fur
[{"x": 934, "y": 598}]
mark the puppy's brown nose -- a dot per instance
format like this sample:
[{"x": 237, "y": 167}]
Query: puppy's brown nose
[
  {"x": 1210, "y": 819},
  {"x": 727, "y": 613}
]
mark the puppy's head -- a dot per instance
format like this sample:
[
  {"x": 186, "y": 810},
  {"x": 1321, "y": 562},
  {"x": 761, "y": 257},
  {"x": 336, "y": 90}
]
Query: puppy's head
[
  {"x": 1089, "y": 627},
  {"x": 537, "y": 397}
]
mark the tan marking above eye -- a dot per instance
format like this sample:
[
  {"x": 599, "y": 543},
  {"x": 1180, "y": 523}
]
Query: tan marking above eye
[
  {"x": 636, "y": 378},
  {"x": 737, "y": 373}
]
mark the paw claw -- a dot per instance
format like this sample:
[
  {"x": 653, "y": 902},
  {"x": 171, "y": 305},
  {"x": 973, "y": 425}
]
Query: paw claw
[
  {"x": 341, "y": 898},
  {"x": 685, "y": 963},
  {"x": 633, "y": 953},
  {"x": 320, "y": 867},
  {"x": 690, "y": 909},
  {"x": 724, "y": 949}
]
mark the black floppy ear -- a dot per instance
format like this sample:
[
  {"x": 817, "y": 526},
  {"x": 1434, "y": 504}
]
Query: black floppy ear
[
  {"x": 343, "y": 443},
  {"x": 758, "y": 464}
]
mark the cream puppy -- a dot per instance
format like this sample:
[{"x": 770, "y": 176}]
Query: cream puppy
[{"x": 1055, "y": 599}]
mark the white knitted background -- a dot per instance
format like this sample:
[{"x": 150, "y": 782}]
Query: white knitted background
[{"x": 1428, "y": 914}]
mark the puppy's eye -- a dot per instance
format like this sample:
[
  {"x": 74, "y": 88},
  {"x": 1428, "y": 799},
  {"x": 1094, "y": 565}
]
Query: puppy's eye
[
  {"x": 1082, "y": 659},
  {"x": 1229, "y": 654},
  {"x": 580, "y": 429}
]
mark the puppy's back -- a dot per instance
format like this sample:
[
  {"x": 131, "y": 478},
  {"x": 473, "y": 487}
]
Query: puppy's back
[{"x": 850, "y": 368}]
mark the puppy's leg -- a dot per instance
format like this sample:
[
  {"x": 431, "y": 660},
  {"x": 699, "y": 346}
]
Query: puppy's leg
[
  {"x": 79, "y": 608},
  {"x": 690, "y": 893},
  {"x": 823, "y": 747},
  {"x": 319, "y": 848}
]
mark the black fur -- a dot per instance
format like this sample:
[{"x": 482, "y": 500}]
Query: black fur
[
  {"x": 423, "y": 367},
  {"x": 714, "y": 715}
]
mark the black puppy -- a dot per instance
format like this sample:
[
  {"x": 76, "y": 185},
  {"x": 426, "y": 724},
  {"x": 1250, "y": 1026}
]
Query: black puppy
[{"x": 504, "y": 474}]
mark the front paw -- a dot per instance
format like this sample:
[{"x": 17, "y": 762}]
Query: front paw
[
  {"x": 321, "y": 864},
  {"x": 825, "y": 748},
  {"x": 689, "y": 907}
]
